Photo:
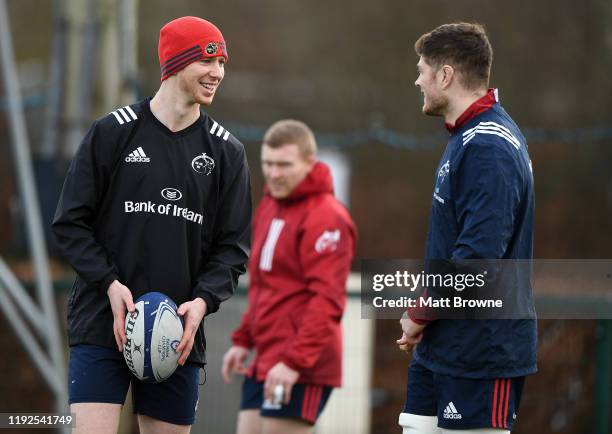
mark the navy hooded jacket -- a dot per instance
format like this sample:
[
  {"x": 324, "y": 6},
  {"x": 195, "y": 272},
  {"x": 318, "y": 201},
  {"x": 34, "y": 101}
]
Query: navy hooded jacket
[{"x": 483, "y": 208}]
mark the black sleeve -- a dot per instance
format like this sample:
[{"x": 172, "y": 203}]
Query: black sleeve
[
  {"x": 231, "y": 241},
  {"x": 73, "y": 225}
]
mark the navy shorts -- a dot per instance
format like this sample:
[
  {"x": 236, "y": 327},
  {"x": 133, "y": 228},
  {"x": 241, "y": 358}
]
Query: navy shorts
[
  {"x": 100, "y": 374},
  {"x": 307, "y": 400},
  {"x": 463, "y": 403}
]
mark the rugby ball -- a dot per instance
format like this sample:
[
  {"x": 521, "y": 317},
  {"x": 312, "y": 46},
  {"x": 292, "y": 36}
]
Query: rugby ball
[{"x": 153, "y": 332}]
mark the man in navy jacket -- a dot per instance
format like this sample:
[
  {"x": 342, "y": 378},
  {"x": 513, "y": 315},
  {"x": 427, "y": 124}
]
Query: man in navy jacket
[{"x": 467, "y": 375}]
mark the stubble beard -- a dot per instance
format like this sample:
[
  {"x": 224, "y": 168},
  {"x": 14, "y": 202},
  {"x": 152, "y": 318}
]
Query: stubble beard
[{"x": 436, "y": 106}]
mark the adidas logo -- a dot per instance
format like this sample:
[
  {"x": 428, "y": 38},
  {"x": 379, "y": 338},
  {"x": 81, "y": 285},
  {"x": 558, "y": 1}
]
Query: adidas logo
[
  {"x": 450, "y": 412},
  {"x": 137, "y": 156}
]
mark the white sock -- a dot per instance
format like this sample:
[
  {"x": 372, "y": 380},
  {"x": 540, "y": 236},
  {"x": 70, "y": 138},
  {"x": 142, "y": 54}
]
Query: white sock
[{"x": 417, "y": 424}]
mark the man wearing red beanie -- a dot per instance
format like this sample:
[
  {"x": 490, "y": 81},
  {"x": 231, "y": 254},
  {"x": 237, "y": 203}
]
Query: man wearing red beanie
[{"x": 157, "y": 198}]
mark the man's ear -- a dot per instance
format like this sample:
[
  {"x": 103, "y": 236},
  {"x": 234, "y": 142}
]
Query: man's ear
[{"x": 447, "y": 74}]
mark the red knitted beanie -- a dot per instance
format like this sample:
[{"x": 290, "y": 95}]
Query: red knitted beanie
[{"x": 186, "y": 40}]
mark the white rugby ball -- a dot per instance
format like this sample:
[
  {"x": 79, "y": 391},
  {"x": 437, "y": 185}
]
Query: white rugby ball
[{"x": 153, "y": 332}]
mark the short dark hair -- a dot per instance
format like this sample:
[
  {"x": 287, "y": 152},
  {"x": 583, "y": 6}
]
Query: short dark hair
[
  {"x": 290, "y": 131},
  {"x": 464, "y": 46}
]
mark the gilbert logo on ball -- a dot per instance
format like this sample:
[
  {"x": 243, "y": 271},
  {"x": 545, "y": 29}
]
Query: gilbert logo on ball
[{"x": 153, "y": 332}]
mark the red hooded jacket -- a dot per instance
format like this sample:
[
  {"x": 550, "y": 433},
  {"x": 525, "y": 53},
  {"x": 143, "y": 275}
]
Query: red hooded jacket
[{"x": 301, "y": 256}]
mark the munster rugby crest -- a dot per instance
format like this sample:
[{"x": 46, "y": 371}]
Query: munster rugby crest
[
  {"x": 444, "y": 171},
  {"x": 203, "y": 164},
  {"x": 211, "y": 48}
]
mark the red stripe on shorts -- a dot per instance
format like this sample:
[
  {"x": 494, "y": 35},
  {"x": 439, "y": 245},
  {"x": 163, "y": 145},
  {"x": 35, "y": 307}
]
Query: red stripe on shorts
[
  {"x": 493, "y": 421},
  {"x": 305, "y": 402},
  {"x": 500, "y": 404},
  {"x": 314, "y": 406},
  {"x": 506, "y": 404}
]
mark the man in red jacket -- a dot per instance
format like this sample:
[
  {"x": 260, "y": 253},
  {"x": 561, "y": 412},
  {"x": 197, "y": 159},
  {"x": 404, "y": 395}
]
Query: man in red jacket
[{"x": 303, "y": 244}]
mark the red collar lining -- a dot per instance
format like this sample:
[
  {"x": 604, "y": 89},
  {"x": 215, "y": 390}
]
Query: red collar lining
[{"x": 477, "y": 107}]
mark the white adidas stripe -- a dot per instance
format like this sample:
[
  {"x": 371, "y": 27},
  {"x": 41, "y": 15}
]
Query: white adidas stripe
[
  {"x": 499, "y": 128},
  {"x": 452, "y": 407},
  {"x": 491, "y": 128},
  {"x": 492, "y": 125},
  {"x": 497, "y": 133},
  {"x": 487, "y": 124},
  {"x": 124, "y": 114},
  {"x": 141, "y": 152},
  {"x": 218, "y": 132},
  {"x": 131, "y": 112},
  {"x": 506, "y": 135},
  {"x": 118, "y": 118}
]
